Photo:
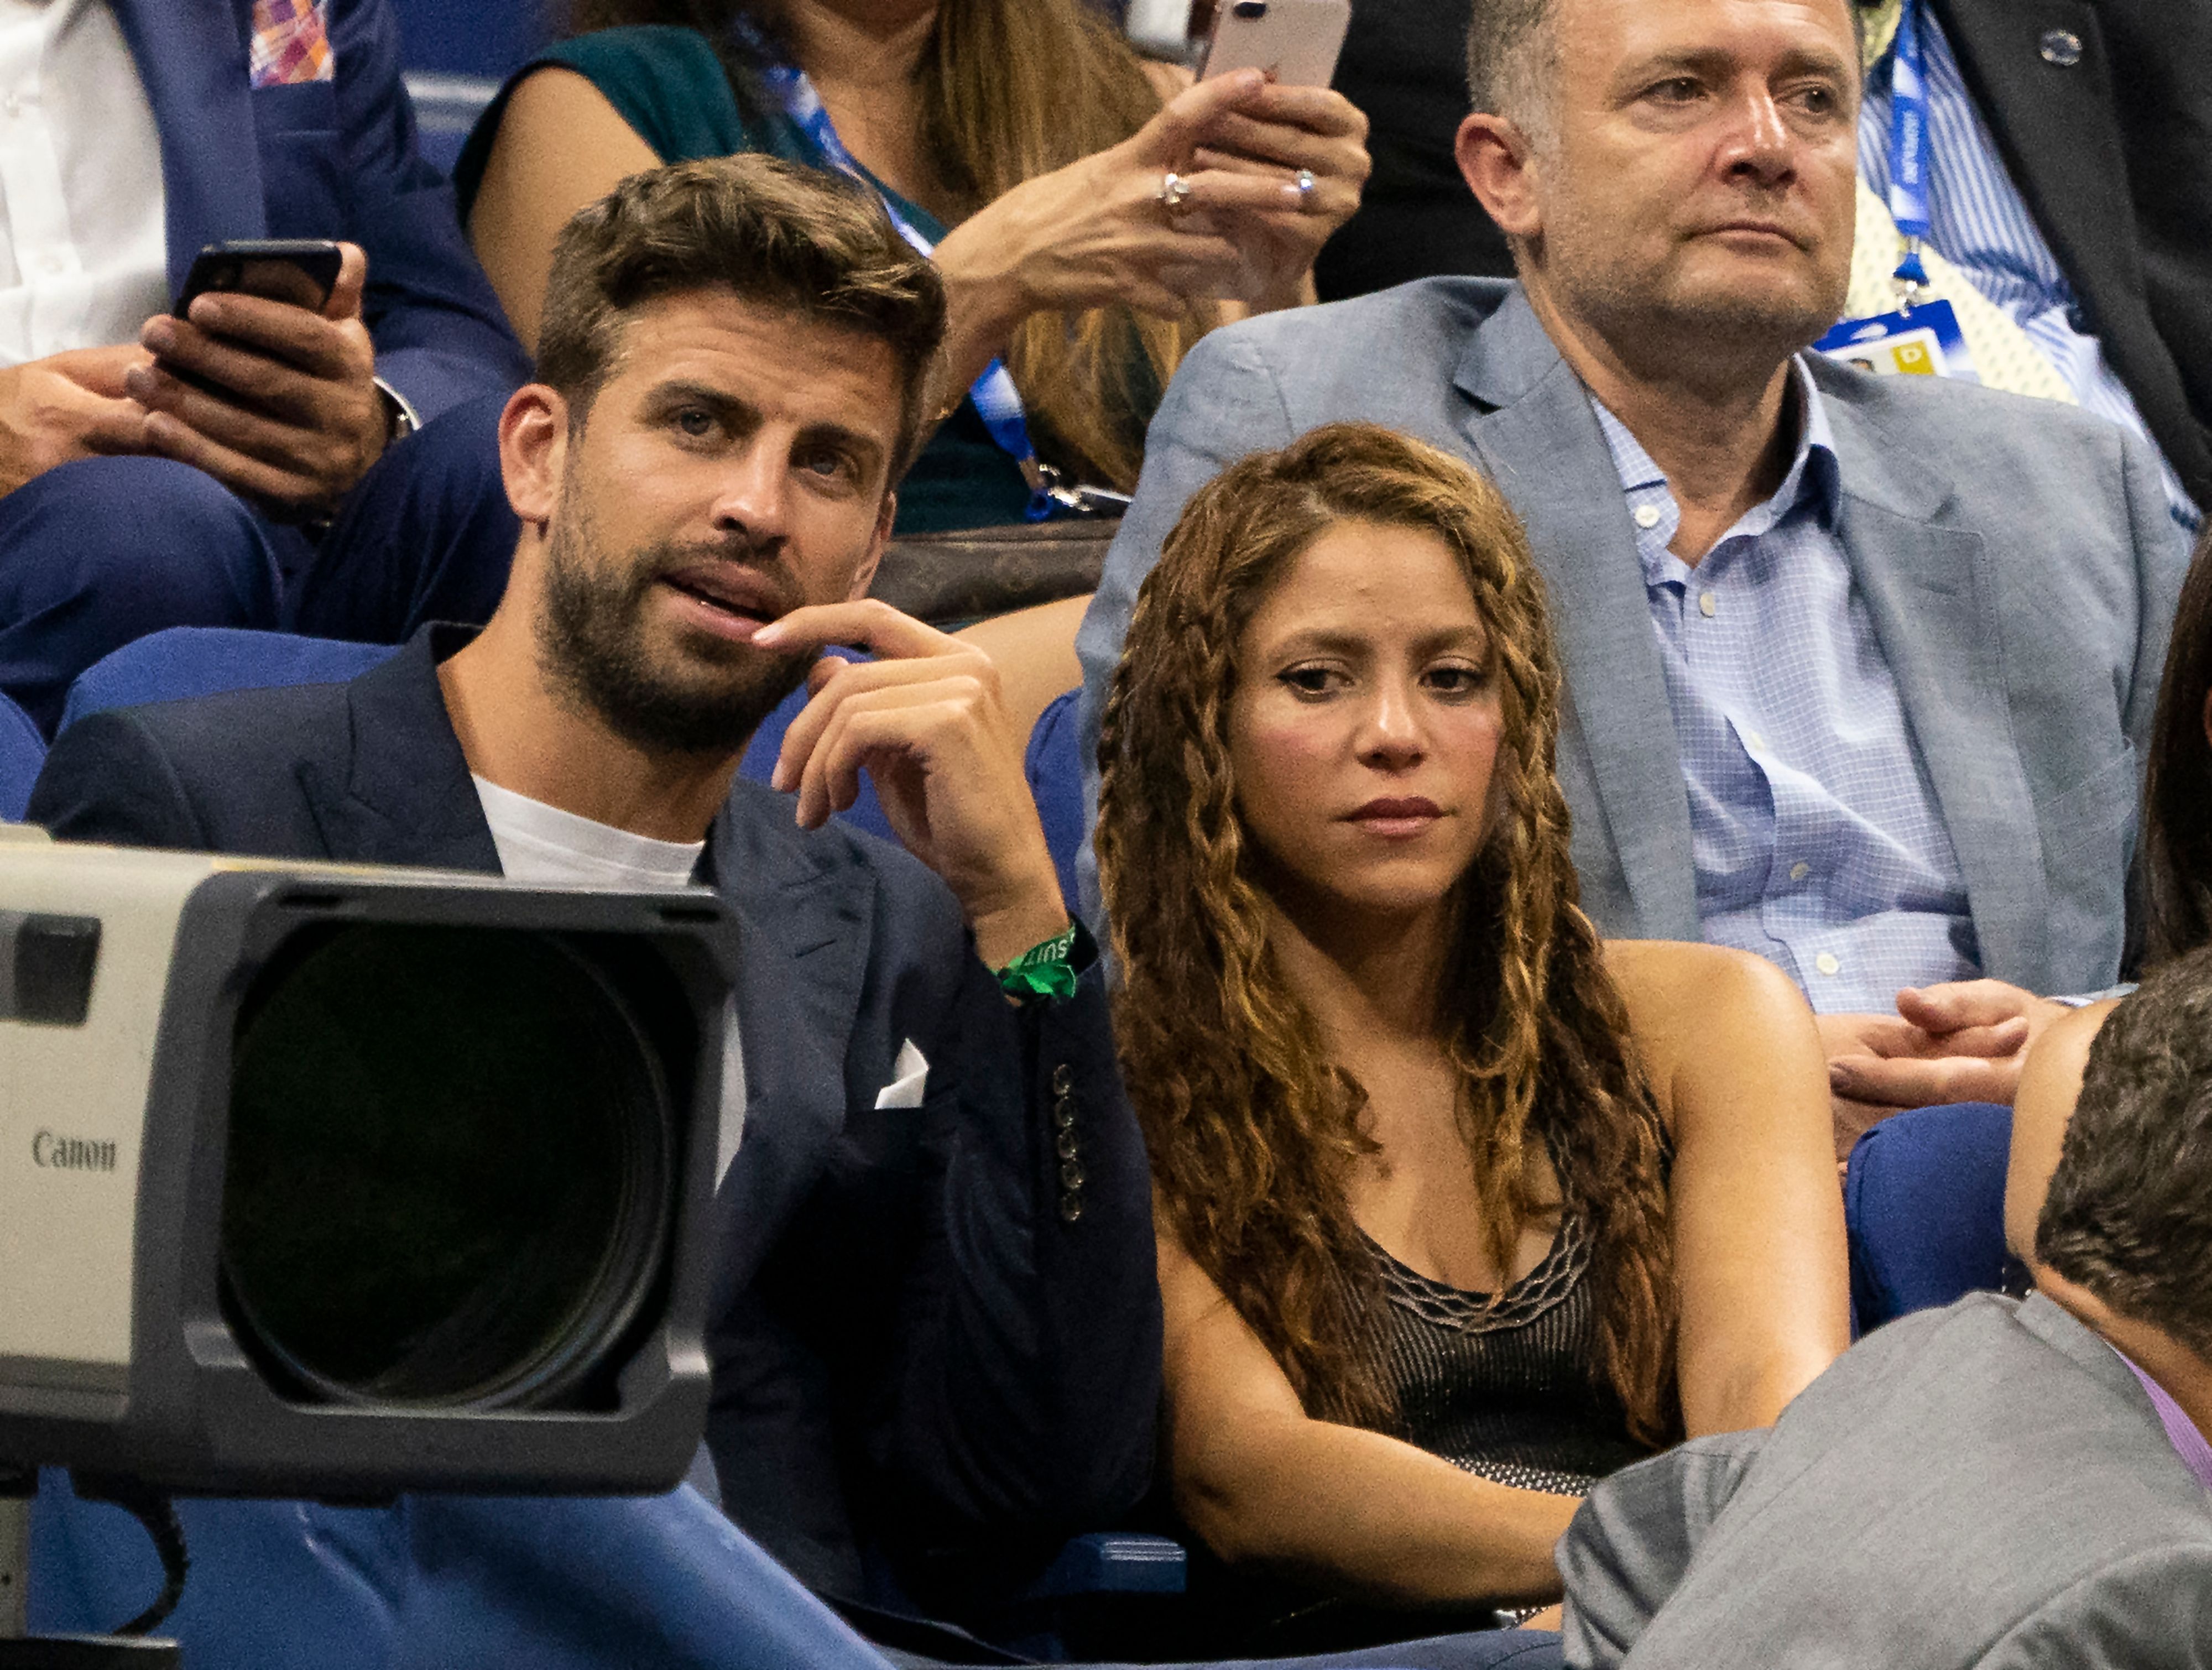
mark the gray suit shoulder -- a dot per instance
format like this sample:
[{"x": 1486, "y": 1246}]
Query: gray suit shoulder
[
  {"x": 1411, "y": 317},
  {"x": 1383, "y": 357},
  {"x": 1960, "y": 1479},
  {"x": 1984, "y": 439}
]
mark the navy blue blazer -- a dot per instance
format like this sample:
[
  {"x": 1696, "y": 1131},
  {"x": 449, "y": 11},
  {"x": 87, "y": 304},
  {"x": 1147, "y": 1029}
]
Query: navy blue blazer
[
  {"x": 333, "y": 159},
  {"x": 929, "y": 1336}
]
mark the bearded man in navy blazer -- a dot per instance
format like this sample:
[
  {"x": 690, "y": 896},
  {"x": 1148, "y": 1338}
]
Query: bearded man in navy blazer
[
  {"x": 132, "y": 133},
  {"x": 936, "y": 1328}
]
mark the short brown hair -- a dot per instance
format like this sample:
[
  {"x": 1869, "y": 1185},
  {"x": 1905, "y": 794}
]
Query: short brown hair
[
  {"x": 2129, "y": 1215},
  {"x": 810, "y": 242}
]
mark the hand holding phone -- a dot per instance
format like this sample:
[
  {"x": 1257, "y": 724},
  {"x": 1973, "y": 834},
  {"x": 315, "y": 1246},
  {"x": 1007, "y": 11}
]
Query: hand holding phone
[
  {"x": 264, "y": 376},
  {"x": 1295, "y": 42},
  {"x": 300, "y": 270}
]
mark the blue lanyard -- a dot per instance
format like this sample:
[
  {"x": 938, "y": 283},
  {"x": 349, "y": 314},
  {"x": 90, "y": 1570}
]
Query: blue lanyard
[
  {"x": 995, "y": 397},
  {"x": 1910, "y": 149}
]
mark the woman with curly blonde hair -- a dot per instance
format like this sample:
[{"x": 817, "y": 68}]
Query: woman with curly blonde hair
[{"x": 1459, "y": 1209}]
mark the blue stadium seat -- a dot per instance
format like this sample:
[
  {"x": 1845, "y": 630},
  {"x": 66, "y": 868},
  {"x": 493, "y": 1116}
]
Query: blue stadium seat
[
  {"x": 183, "y": 661},
  {"x": 23, "y": 751},
  {"x": 455, "y": 54},
  {"x": 1923, "y": 1201},
  {"x": 1054, "y": 766}
]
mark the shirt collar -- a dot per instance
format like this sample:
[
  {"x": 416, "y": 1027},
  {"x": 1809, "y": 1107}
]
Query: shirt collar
[
  {"x": 2180, "y": 1431},
  {"x": 1813, "y": 474}
]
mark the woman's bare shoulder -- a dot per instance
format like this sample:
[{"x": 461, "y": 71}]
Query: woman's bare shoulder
[{"x": 1673, "y": 977}]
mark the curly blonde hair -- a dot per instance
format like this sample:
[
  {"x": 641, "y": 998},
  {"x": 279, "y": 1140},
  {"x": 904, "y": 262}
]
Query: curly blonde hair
[{"x": 1252, "y": 1126}]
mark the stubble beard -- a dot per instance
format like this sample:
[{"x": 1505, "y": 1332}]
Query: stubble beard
[
  {"x": 593, "y": 651},
  {"x": 1732, "y": 335}
]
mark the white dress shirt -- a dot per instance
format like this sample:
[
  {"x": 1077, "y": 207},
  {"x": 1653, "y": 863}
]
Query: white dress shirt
[
  {"x": 83, "y": 237},
  {"x": 544, "y": 844}
]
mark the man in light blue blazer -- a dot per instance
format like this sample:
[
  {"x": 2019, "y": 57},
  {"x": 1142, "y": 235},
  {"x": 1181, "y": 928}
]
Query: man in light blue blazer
[
  {"x": 132, "y": 133},
  {"x": 1858, "y": 667}
]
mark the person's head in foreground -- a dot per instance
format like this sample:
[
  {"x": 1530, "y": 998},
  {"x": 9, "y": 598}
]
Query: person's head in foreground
[
  {"x": 1991, "y": 1484},
  {"x": 1669, "y": 171},
  {"x": 2124, "y": 1237},
  {"x": 731, "y": 368}
]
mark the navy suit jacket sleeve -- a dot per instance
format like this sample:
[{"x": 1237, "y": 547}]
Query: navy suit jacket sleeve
[
  {"x": 441, "y": 337},
  {"x": 1028, "y": 1390},
  {"x": 963, "y": 1313},
  {"x": 106, "y": 780}
]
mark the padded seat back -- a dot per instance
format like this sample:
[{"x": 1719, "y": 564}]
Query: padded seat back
[
  {"x": 180, "y": 662},
  {"x": 1054, "y": 766}
]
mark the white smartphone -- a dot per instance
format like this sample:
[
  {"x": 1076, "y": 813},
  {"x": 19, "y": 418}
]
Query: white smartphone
[{"x": 1295, "y": 41}]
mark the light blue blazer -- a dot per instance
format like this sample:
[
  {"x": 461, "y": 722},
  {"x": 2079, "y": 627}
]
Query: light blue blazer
[{"x": 2017, "y": 558}]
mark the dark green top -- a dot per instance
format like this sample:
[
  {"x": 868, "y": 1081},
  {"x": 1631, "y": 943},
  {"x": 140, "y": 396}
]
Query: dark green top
[{"x": 669, "y": 84}]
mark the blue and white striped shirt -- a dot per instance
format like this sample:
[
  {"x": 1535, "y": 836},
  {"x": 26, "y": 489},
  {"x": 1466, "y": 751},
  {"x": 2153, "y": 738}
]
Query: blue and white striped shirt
[
  {"x": 1814, "y": 831},
  {"x": 1979, "y": 222}
]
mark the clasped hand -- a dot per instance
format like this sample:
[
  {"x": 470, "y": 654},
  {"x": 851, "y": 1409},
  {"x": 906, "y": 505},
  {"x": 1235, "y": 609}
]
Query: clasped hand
[
  {"x": 926, "y": 722},
  {"x": 1097, "y": 231},
  {"x": 1962, "y": 1041}
]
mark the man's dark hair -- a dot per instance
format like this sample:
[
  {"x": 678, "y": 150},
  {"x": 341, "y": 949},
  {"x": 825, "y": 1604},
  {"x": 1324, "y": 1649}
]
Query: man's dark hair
[
  {"x": 803, "y": 240},
  {"x": 2128, "y": 1215}
]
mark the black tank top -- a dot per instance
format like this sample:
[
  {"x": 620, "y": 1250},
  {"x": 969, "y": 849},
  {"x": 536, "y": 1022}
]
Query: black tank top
[{"x": 1511, "y": 1393}]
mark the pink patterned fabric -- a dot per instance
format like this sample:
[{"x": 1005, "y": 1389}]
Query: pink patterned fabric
[{"x": 290, "y": 44}]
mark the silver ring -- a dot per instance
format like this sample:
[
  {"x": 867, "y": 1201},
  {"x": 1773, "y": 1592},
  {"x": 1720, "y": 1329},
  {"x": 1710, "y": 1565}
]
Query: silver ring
[
  {"x": 1174, "y": 192},
  {"x": 1306, "y": 183}
]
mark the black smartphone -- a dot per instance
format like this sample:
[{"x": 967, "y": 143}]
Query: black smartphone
[{"x": 301, "y": 270}]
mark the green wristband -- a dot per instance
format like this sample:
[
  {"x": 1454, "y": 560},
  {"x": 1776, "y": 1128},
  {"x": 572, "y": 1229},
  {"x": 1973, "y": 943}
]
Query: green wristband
[{"x": 1050, "y": 969}]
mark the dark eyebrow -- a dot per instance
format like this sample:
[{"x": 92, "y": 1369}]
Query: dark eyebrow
[
  {"x": 683, "y": 392},
  {"x": 1453, "y": 637},
  {"x": 744, "y": 415},
  {"x": 1324, "y": 643},
  {"x": 1716, "y": 64}
]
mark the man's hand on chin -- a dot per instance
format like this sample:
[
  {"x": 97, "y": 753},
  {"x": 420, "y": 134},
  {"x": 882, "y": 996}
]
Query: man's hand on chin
[
  {"x": 927, "y": 722},
  {"x": 1963, "y": 1041}
]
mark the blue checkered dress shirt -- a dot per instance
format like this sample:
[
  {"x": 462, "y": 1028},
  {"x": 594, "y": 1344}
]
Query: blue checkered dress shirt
[
  {"x": 1814, "y": 828},
  {"x": 1977, "y": 220}
]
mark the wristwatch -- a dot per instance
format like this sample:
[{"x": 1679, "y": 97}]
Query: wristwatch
[{"x": 400, "y": 419}]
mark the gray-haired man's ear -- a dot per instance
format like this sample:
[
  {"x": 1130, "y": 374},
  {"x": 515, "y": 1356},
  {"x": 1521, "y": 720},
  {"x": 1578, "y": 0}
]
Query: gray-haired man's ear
[{"x": 1499, "y": 163}]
